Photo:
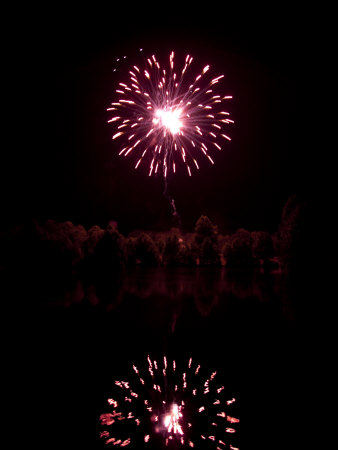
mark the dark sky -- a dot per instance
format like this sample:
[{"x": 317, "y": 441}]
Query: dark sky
[{"x": 61, "y": 163}]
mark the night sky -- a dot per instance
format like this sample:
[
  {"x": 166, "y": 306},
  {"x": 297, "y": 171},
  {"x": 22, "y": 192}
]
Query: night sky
[{"x": 61, "y": 163}]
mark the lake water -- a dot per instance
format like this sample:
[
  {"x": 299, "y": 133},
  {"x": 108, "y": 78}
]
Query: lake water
[{"x": 244, "y": 326}]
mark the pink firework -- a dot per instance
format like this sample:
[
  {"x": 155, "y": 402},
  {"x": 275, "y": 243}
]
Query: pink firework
[
  {"x": 168, "y": 405},
  {"x": 165, "y": 116}
]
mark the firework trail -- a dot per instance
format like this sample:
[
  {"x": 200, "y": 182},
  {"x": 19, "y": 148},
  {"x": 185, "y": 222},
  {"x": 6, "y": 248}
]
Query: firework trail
[
  {"x": 168, "y": 406},
  {"x": 165, "y": 117},
  {"x": 172, "y": 204}
]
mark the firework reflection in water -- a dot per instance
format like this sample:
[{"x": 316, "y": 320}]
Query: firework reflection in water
[{"x": 165, "y": 405}]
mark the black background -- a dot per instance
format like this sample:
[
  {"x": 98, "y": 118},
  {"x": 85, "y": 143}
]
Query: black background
[{"x": 58, "y": 161}]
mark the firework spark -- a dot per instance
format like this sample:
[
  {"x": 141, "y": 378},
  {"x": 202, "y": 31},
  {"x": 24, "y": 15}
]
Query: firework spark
[
  {"x": 165, "y": 116},
  {"x": 166, "y": 405}
]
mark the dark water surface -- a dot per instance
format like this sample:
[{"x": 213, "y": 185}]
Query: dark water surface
[{"x": 245, "y": 326}]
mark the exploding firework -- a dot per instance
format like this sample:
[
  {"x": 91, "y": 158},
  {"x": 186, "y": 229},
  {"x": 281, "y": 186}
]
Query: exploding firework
[
  {"x": 165, "y": 406},
  {"x": 165, "y": 116}
]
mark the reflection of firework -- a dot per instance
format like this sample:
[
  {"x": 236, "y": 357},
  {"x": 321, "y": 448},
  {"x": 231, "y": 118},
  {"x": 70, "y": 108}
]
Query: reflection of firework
[
  {"x": 169, "y": 407},
  {"x": 167, "y": 117}
]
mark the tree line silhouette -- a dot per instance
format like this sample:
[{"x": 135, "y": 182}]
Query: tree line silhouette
[{"x": 65, "y": 248}]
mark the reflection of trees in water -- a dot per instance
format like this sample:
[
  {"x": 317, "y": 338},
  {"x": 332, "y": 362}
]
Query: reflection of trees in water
[
  {"x": 207, "y": 287},
  {"x": 165, "y": 291},
  {"x": 206, "y": 292},
  {"x": 105, "y": 292}
]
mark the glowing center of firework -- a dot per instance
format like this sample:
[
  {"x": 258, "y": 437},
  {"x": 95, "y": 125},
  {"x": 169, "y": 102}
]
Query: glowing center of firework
[
  {"x": 169, "y": 119},
  {"x": 171, "y": 420}
]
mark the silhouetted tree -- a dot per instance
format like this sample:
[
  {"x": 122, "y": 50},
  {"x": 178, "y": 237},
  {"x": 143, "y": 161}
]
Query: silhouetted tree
[
  {"x": 185, "y": 254},
  {"x": 146, "y": 252},
  {"x": 205, "y": 229},
  {"x": 76, "y": 236},
  {"x": 94, "y": 235},
  {"x": 160, "y": 241},
  {"x": 177, "y": 250},
  {"x": 110, "y": 251},
  {"x": 205, "y": 245},
  {"x": 209, "y": 254},
  {"x": 131, "y": 250},
  {"x": 171, "y": 249},
  {"x": 226, "y": 245},
  {"x": 57, "y": 251},
  {"x": 238, "y": 251},
  {"x": 295, "y": 237},
  {"x": 262, "y": 245}
]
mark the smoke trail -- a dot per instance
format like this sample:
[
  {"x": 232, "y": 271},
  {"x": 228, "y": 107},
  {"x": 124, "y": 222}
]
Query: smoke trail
[{"x": 176, "y": 217}]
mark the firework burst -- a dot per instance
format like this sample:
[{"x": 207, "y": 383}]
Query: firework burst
[
  {"x": 168, "y": 406},
  {"x": 166, "y": 116}
]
